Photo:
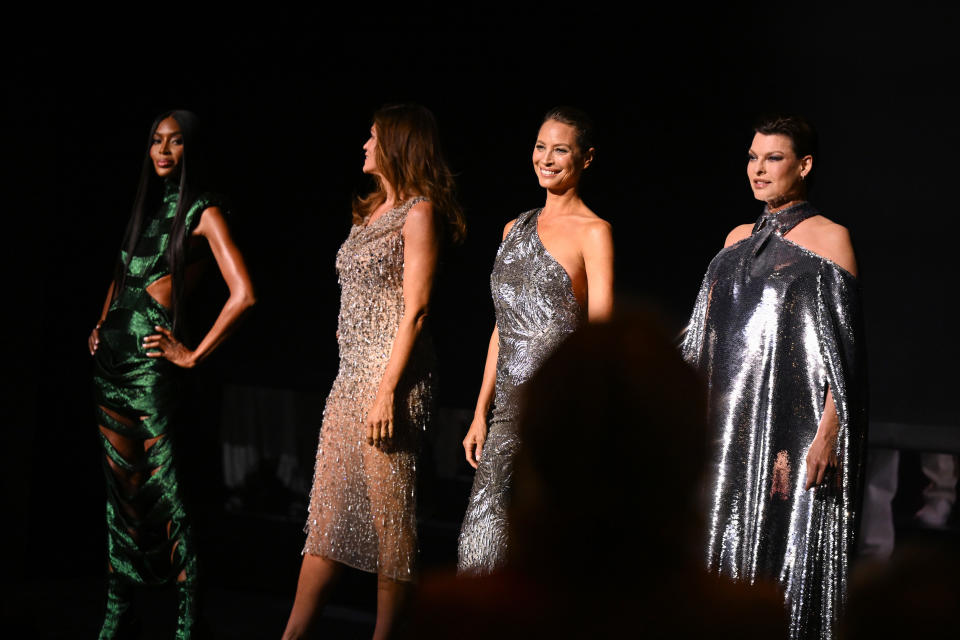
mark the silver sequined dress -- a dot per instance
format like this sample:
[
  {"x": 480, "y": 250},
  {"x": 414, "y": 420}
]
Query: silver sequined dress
[
  {"x": 362, "y": 506},
  {"x": 774, "y": 327},
  {"x": 536, "y": 310}
]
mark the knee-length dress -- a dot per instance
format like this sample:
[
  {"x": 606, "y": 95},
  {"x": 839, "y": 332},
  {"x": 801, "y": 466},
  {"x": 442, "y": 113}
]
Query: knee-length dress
[
  {"x": 149, "y": 539},
  {"x": 536, "y": 310},
  {"x": 774, "y": 328},
  {"x": 363, "y": 503}
]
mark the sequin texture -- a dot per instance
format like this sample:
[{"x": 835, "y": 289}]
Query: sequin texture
[
  {"x": 774, "y": 327},
  {"x": 363, "y": 501},
  {"x": 536, "y": 310}
]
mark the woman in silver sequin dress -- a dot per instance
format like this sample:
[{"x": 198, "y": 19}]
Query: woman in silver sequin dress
[
  {"x": 777, "y": 332},
  {"x": 554, "y": 266},
  {"x": 362, "y": 506}
]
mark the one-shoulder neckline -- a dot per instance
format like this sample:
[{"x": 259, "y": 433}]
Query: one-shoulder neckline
[{"x": 546, "y": 252}]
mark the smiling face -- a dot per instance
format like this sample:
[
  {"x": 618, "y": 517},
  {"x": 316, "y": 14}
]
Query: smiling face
[
  {"x": 370, "y": 153},
  {"x": 776, "y": 173},
  {"x": 557, "y": 160},
  {"x": 166, "y": 148}
]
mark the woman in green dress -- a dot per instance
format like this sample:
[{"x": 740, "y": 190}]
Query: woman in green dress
[{"x": 138, "y": 356}]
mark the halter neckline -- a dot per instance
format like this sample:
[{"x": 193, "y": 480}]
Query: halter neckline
[{"x": 786, "y": 219}]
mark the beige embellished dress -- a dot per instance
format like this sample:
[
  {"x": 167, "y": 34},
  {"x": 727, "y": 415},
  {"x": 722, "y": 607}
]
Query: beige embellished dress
[{"x": 363, "y": 502}]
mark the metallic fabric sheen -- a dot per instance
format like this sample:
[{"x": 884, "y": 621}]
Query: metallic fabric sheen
[
  {"x": 363, "y": 502},
  {"x": 774, "y": 327},
  {"x": 148, "y": 528},
  {"x": 536, "y": 310}
]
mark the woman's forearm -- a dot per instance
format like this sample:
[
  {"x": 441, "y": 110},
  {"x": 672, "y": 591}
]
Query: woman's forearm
[
  {"x": 408, "y": 331},
  {"x": 106, "y": 303},
  {"x": 485, "y": 398},
  {"x": 829, "y": 425},
  {"x": 234, "y": 272},
  {"x": 235, "y": 308}
]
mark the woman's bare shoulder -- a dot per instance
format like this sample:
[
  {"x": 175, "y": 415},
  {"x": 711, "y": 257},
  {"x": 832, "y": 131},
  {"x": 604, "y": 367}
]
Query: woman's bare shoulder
[
  {"x": 419, "y": 221},
  {"x": 739, "y": 232},
  {"x": 421, "y": 209},
  {"x": 827, "y": 239}
]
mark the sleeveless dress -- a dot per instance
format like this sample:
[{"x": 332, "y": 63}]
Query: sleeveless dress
[
  {"x": 774, "y": 327},
  {"x": 149, "y": 539},
  {"x": 536, "y": 310},
  {"x": 363, "y": 502}
]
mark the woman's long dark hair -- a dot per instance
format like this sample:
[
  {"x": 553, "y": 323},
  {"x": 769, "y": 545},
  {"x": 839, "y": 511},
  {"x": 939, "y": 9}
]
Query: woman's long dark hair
[{"x": 149, "y": 192}]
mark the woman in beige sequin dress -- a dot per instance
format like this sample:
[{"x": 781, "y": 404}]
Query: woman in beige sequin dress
[{"x": 362, "y": 507}]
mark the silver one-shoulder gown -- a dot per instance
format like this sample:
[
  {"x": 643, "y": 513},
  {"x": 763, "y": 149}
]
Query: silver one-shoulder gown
[
  {"x": 774, "y": 328},
  {"x": 536, "y": 310}
]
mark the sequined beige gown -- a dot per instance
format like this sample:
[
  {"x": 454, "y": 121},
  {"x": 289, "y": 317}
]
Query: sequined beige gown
[{"x": 362, "y": 506}]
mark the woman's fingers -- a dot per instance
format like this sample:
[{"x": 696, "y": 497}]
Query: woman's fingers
[
  {"x": 158, "y": 343},
  {"x": 472, "y": 447},
  {"x": 811, "y": 473},
  {"x": 94, "y": 340},
  {"x": 821, "y": 470},
  {"x": 379, "y": 432},
  {"x": 816, "y": 472}
]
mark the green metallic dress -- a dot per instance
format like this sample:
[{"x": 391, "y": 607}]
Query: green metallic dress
[{"x": 149, "y": 539}]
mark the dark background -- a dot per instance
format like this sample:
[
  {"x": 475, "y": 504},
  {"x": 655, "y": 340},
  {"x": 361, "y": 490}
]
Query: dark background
[{"x": 287, "y": 101}]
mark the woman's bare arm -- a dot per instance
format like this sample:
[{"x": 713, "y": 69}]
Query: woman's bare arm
[
  {"x": 823, "y": 451},
  {"x": 94, "y": 340},
  {"x": 163, "y": 344},
  {"x": 598, "y": 264},
  {"x": 477, "y": 434},
  {"x": 421, "y": 250}
]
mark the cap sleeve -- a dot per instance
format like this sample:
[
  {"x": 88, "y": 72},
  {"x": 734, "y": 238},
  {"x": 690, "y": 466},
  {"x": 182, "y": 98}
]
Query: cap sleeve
[{"x": 201, "y": 204}]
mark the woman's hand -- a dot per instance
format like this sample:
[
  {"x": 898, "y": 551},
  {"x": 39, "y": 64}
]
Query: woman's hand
[
  {"x": 821, "y": 456},
  {"x": 94, "y": 340},
  {"x": 379, "y": 421},
  {"x": 823, "y": 450},
  {"x": 473, "y": 442},
  {"x": 164, "y": 345}
]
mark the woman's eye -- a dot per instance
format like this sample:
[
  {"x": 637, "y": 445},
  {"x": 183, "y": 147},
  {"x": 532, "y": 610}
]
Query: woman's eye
[
  {"x": 177, "y": 141},
  {"x": 562, "y": 150},
  {"x": 775, "y": 158},
  {"x": 539, "y": 147},
  {"x": 155, "y": 141},
  {"x": 751, "y": 158}
]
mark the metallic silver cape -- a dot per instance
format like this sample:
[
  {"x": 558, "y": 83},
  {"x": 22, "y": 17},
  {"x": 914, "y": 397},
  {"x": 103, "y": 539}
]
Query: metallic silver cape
[
  {"x": 536, "y": 311},
  {"x": 774, "y": 328}
]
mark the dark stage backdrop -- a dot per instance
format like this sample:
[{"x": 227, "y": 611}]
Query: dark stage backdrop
[{"x": 288, "y": 105}]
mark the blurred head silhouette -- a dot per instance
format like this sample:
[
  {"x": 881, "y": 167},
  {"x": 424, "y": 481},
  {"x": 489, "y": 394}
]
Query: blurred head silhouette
[{"x": 614, "y": 434}]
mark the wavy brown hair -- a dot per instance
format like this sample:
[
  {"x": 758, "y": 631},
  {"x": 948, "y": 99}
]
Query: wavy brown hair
[{"x": 410, "y": 159}]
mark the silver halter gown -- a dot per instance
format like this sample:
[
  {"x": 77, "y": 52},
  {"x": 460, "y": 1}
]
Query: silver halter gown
[
  {"x": 774, "y": 327},
  {"x": 536, "y": 310}
]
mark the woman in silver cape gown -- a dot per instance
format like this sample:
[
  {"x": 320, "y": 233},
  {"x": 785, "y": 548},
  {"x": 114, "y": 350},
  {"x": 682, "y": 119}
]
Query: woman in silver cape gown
[{"x": 777, "y": 332}]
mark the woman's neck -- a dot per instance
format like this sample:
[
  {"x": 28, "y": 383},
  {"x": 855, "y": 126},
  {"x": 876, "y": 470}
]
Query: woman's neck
[
  {"x": 562, "y": 201},
  {"x": 778, "y": 206},
  {"x": 786, "y": 200}
]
